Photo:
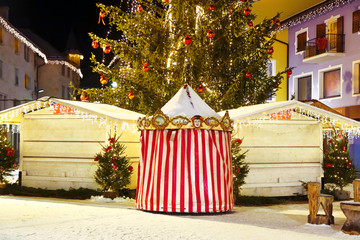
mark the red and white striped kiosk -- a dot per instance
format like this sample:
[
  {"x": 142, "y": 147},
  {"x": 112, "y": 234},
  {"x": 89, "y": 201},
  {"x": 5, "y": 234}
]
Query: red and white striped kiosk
[{"x": 185, "y": 161}]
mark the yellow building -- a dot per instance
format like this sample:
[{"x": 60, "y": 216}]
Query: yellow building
[{"x": 267, "y": 8}]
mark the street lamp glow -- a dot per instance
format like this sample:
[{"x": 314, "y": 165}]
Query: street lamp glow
[{"x": 114, "y": 84}]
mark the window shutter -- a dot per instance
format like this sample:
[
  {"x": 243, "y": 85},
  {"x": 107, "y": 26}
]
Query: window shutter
[
  {"x": 356, "y": 21},
  {"x": 340, "y": 38},
  {"x": 320, "y": 30},
  {"x": 301, "y": 42}
]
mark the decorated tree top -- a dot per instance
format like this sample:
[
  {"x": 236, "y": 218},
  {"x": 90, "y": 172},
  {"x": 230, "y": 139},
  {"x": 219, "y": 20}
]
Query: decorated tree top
[{"x": 214, "y": 47}]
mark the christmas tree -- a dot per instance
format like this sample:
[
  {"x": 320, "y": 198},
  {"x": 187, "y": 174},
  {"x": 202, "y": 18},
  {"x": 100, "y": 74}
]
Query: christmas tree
[
  {"x": 337, "y": 165},
  {"x": 114, "y": 169},
  {"x": 155, "y": 47},
  {"x": 240, "y": 167},
  {"x": 7, "y": 155}
]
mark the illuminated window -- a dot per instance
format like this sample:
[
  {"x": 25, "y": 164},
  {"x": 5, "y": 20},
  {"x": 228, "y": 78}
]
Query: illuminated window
[
  {"x": 27, "y": 82},
  {"x": 26, "y": 53},
  {"x": 1, "y": 35},
  {"x": 304, "y": 88},
  {"x": 330, "y": 82},
  {"x": 16, "y": 45}
]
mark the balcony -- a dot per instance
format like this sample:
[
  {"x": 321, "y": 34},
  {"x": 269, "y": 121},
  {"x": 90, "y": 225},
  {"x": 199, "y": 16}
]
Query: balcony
[{"x": 329, "y": 47}]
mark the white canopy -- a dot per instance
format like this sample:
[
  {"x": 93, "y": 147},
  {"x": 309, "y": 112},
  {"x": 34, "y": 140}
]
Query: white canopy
[{"x": 186, "y": 102}]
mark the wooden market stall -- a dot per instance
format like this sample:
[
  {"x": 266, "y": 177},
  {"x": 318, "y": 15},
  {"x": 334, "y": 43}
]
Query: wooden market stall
[
  {"x": 285, "y": 141},
  {"x": 59, "y": 139}
]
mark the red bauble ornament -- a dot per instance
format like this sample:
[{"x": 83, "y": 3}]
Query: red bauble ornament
[
  {"x": 344, "y": 148},
  {"x": 106, "y": 48},
  {"x": 130, "y": 168},
  {"x": 111, "y": 140},
  {"x": 238, "y": 141},
  {"x": 247, "y": 11},
  {"x": 243, "y": 0},
  {"x": 84, "y": 96},
  {"x": 131, "y": 95},
  {"x": 139, "y": 8},
  {"x": 96, "y": 158},
  {"x": 326, "y": 152},
  {"x": 330, "y": 141},
  {"x": 103, "y": 80},
  {"x": 289, "y": 72},
  {"x": 248, "y": 75},
  {"x": 102, "y": 14},
  {"x": 108, "y": 148},
  {"x": 187, "y": 40},
  {"x": 270, "y": 50},
  {"x": 349, "y": 164},
  {"x": 211, "y": 7},
  {"x": 200, "y": 88},
  {"x": 95, "y": 44},
  {"x": 165, "y": 1},
  {"x": 210, "y": 33},
  {"x": 328, "y": 165},
  {"x": 276, "y": 22},
  {"x": 250, "y": 24},
  {"x": 145, "y": 67}
]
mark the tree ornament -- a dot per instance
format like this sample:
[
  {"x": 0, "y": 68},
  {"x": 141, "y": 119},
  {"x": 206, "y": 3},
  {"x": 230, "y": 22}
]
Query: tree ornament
[
  {"x": 139, "y": 8},
  {"x": 145, "y": 67},
  {"x": 211, "y": 7},
  {"x": 289, "y": 72},
  {"x": 200, "y": 88},
  {"x": 276, "y": 21},
  {"x": 131, "y": 95},
  {"x": 130, "y": 168},
  {"x": 210, "y": 33},
  {"x": 238, "y": 141},
  {"x": 84, "y": 96},
  {"x": 103, "y": 79},
  {"x": 344, "y": 148},
  {"x": 247, "y": 11},
  {"x": 270, "y": 50},
  {"x": 165, "y": 1},
  {"x": 349, "y": 164},
  {"x": 250, "y": 24},
  {"x": 187, "y": 40},
  {"x": 243, "y": 0},
  {"x": 107, "y": 48},
  {"x": 95, "y": 44},
  {"x": 111, "y": 140},
  {"x": 328, "y": 165},
  {"x": 248, "y": 75},
  {"x": 102, "y": 14},
  {"x": 321, "y": 43}
]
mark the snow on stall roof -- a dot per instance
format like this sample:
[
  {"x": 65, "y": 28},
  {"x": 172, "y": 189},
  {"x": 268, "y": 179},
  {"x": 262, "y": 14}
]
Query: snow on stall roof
[{"x": 186, "y": 102}]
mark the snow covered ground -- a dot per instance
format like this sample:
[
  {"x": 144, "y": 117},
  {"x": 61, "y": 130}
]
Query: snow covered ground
[{"x": 46, "y": 218}]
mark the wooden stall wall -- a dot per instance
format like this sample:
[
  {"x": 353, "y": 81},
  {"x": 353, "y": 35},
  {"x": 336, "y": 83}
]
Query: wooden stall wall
[
  {"x": 281, "y": 154},
  {"x": 57, "y": 151}
]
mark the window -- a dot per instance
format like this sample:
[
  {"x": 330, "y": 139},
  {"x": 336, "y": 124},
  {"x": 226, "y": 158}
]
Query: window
[
  {"x": 26, "y": 53},
  {"x": 68, "y": 72},
  {"x": 16, "y": 45},
  {"x": 333, "y": 29},
  {"x": 27, "y": 82},
  {"x": 301, "y": 37},
  {"x": 1, "y": 69},
  {"x": 330, "y": 81},
  {"x": 356, "y": 77},
  {"x": 16, "y": 102},
  {"x": 304, "y": 88},
  {"x": 271, "y": 71},
  {"x": 16, "y": 77},
  {"x": 2, "y": 101},
  {"x": 356, "y": 21}
]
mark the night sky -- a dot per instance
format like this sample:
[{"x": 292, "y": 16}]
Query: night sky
[{"x": 53, "y": 20}]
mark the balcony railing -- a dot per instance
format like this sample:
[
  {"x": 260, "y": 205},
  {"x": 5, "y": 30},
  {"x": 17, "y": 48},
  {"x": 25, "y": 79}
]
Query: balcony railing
[{"x": 330, "y": 43}]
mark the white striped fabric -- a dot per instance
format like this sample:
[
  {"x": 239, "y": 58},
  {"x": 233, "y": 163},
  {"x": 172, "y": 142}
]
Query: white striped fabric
[{"x": 185, "y": 170}]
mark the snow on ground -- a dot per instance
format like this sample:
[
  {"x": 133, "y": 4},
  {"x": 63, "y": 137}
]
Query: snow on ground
[{"x": 44, "y": 218}]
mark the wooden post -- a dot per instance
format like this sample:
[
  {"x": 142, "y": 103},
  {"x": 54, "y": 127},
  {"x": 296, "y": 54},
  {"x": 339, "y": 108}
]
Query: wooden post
[
  {"x": 315, "y": 200},
  {"x": 356, "y": 186}
]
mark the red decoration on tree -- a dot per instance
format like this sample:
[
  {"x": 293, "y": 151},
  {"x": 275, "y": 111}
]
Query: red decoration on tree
[
  {"x": 130, "y": 168},
  {"x": 321, "y": 43},
  {"x": 200, "y": 88},
  {"x": 326, "y": 152},
  {"x": 330, "y": 141},
  {"x": 103, "y": 79},
  {"x": 211, "y": 7},
  {"x": 289, "y": 72},
  {"x": 187, "y": 40},
  {"x": 270, "y": 50},
  {"x": 349, "y": 164},
  {"x": 106, "y": 48},
  {"x": 139, "y": 8},
  {"x": 165, "y": 1},
  {"x": 10, "y": 152},
  {"x": 84, "y": 96},
  {"x": 344, "y": 148},
  {"x": 250, "y": 24},
  {"x": 247, "y": 11},
  {"x": 113, "y": 165},
  {"x": 328, "y": 165},
  {"x": 238, "y": 141},
  {"x": 96, "y": 158},
  {"x": 102, "y": 14},
  {"x": 95, "y": 44},
  {"x": 145, "y": 67},
  {"x": 108, "y": 148},
  {"x": 131, "y": 95},
  {"x": 210, "y": 33},
  {"x": 111, "y": 140},
  {"x": 276, "y": 21},
  {"x": 248, "y": 75},
  {"x": 243, "y": 0}
]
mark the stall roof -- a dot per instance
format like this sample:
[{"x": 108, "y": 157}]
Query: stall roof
[
  {"x": 186, "y": 102},
  {"x": 112, "y": 113},
  {"x": 259, "y": 111}
]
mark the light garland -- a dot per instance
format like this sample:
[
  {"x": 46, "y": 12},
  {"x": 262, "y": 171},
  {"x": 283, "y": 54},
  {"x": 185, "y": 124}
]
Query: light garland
[
  {"x": 34, "y": 48},
  {"x": 314, "y": 13}
]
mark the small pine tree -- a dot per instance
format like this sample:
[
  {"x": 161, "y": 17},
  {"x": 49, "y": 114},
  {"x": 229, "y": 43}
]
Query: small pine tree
[
  {"x": 337, "y": 164},
  {"x": 114, "y": 169},
  {"x": 240, "y": 167},
  {"x": 7, "y": 156}
]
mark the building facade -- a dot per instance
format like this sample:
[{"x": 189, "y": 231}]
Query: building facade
[{"x": 30, "y": 67}]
